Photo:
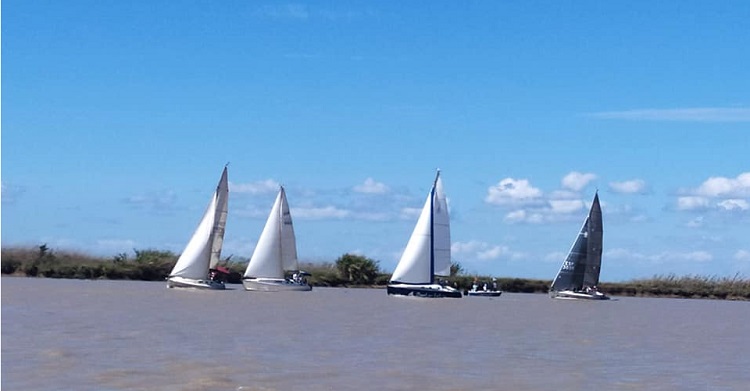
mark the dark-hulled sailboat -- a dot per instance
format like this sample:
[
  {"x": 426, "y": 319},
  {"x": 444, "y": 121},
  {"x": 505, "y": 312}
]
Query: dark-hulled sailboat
[
  {"x": 579, "y": 274},
  {"x": 428, "y": 251}
]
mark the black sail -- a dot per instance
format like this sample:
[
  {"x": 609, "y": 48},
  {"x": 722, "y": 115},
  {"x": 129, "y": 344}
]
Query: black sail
[
  {"x": 594, "y": 250},
  {"x": 571, "y": 272},
  {"x": 582, "y": 266}
]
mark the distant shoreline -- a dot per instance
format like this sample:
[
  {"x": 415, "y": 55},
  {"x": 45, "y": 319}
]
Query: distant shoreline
[{"x": 155, "y": 265}]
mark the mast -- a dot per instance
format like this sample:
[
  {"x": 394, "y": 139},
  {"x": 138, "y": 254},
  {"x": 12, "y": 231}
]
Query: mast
[
  {"x": 432, "y": 228},
  {"x": 280, "y": 225}
]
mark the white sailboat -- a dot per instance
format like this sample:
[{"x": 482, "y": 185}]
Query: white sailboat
[
  {"x": 428, "y": 251},
  {"x": 204, "y": 249},
  {"x": 275, "y": 254},
  {"x": 579, "y": 274}
]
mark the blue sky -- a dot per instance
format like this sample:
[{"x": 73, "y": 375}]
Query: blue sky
[{"x": 118, "y": 116}]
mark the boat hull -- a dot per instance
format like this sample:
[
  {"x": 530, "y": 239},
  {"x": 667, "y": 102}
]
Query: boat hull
[
  {"x": 423, "y": 290},
  {"x": 274, "y": 285},
  {"x": 180, "y": 282},
  {"x": 484, "y": 293},
  {"x": 573, "y": 295}
]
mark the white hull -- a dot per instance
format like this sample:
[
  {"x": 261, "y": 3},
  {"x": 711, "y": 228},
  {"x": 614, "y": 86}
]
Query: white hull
[
  {"x": 573, "y": 295},
  {"x": 274, "y": 285},
  {"x": 181, "y": 282},
  {"x": 484, "y": 293}
]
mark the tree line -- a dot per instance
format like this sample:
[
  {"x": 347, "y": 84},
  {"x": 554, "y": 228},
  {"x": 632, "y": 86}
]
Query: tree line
[{"x": 349, "y": 270}]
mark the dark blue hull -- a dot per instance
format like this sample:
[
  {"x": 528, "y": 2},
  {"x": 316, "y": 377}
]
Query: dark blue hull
[
  {"x": 484, "y": 293},
  {"x": 422, "y": 291}
]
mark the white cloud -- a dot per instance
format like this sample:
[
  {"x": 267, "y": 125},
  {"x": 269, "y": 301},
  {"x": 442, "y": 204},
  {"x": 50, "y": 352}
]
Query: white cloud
[
  {"x": 697, "y": 114},
  {"x": 371, "y": 187},
  {"x": 718, "y": 193},
  {"x": 516, "y": 216},
  {"x": 552, "y": 211},
  {"x": 331, "y": 212},
  {"x": 512, "y": 191},
  {"x": 628, "y": 187},
  {"x": 742, "y": 255},
  {"x": 259, "y": 187},
  {"x": 320, "y": 213},
  {"x": 695, "y": 223},
  {"x": 697, "y": 256},
  {"x": 725, "y": 187},
  {"x": 522, "y": 216},
  {"x": 565, "y": 206},
  {"x": 692, "y": 203},
  {"x": 251, "y": 212},
  {"x": 576, "y": 181},
  {"x": 493, "y": 252},
  {"x": 662, "y": 257},
  {"x": 156, "y": 200},
  {"x": 482, "y": 251},
  {"x": 734, "y": 204},
  {"x": 372, "y": 216}
]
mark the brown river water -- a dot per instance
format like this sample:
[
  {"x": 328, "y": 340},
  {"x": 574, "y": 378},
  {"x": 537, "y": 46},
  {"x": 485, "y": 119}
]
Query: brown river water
[{"x": 130, "y": 335}]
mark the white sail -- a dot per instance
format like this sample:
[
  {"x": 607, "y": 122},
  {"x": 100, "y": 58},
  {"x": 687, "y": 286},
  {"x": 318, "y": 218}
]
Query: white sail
[
  {"x": 429, "y": 242},
  {"x": 288, "y": 240},
  {"x": 441, "y": 231},
  {"x": 222, "y": 206},
  {"x": 276, "y": 250},
  {"x": 195, "y": 260},
  {"x": 414, "y": 265}
]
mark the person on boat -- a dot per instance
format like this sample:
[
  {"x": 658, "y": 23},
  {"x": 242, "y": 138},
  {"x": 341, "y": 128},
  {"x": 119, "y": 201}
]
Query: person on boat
[
  {"x": 485, "y": 287},
  {"x": 475, "y": 285},
  {"x": 494, "y": 284}
]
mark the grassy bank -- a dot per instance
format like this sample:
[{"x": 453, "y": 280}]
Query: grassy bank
[{"x": 347, "y": 271}]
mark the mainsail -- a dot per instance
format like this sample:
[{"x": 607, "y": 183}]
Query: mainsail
[
  {"x": 276, "y": 250},
  {"x": 428, "y": 251},
  {"x": 206, "y": 242},
  {"x": 582, "y": 266},
  {"x": 222, "y": 206}
]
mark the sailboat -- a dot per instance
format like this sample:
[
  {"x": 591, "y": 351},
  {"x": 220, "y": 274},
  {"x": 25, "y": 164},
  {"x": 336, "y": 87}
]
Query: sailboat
[
  {"x": 276, "y": 253},
  {"x": 428, "y": 251},
  {"x": 579, "y": 273},
  {"x": 204, "y": 249}
]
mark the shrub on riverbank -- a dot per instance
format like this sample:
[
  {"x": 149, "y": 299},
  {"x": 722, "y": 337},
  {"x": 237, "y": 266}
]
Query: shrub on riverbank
[
  {"x": 148, "y": 265},
  {"x": 734, "y": 288}
]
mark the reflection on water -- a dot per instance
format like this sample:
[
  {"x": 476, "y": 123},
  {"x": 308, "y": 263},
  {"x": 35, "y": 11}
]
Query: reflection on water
[{"x": 125, "y": 335}]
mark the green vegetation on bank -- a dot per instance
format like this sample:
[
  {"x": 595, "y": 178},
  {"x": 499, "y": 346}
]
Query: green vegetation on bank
[{"x": 349, "y": 270}]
